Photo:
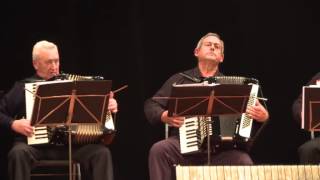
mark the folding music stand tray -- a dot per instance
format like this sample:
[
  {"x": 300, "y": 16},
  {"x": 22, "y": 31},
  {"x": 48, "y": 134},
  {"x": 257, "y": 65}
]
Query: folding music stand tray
[
  {"x": 311, "y": 108},
  {"x": 71, "y": 103},
  {"x": 211, "y": 100},
  {"x": 208, "y": 100}
]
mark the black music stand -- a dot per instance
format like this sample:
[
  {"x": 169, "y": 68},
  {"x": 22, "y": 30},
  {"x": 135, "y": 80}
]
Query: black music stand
[
  {"x": 71, "y": 103},
  {"x": 208, "y": 100},
  {"x": 311, "y": 108}
]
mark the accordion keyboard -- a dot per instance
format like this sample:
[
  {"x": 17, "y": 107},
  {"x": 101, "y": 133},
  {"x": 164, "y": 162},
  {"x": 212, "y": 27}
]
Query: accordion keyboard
[
  {"x": 40, "y": 136},
  {"x": 246, "y": 121},
  {"x": 40, "y": 133},
  {"x": 193, "y": 132}
]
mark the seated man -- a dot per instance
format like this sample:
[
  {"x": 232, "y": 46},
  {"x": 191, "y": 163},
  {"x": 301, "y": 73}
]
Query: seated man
[
  {"x": 309, "y": 152},
  {"x": 165, "y": 154},
  {"x": 95, "y": 159}
]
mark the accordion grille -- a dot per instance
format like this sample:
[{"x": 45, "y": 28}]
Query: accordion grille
[
  {"x": 77, "y": 77},
  {"x": 234, "y": 80}
]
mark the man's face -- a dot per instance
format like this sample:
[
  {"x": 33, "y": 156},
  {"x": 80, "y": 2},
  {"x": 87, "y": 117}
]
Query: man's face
[
  {"x": 210, "y": 50},
  {"x": 48, "y": 63}
]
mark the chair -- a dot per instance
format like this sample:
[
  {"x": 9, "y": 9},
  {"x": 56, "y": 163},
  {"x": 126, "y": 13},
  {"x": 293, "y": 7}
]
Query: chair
[
  {"x": 55, "y": 168},
  {"x": 166, "y": 131}
]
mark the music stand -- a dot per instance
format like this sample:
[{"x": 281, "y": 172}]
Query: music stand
[
  {"x": 208, "y": 100},
  {"x": 71, "y": 103},
  {"x": 310, "y": 108}
]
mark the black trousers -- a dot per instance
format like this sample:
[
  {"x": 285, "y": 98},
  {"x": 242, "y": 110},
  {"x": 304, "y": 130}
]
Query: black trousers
[
  {"x": 309, "y": 152},
  {"x": 95, "y": 160},
  {"x": 165, "y": 154}
]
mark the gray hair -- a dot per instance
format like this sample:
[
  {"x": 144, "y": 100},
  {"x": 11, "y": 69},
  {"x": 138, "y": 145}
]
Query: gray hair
[
  {"x": 42, "y": 45},
  {"x": 199, "y": 44}
]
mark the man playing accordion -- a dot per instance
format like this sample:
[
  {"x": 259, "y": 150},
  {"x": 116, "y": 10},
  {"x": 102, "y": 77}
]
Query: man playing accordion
[
  {"x": 95, "y": 159},
  {"x": 166, "y": 153}
]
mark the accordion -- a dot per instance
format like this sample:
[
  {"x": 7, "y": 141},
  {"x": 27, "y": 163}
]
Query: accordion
[
  {"x": 225, "y": 129},
  {"x": 82, "y": 133}
]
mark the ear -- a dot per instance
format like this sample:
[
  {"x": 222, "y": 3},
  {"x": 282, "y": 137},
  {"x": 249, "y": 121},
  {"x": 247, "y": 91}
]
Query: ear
[
  {"x": 196, "y": 52},
  {"x": 222, "y": 58},
  {"x": 35, "y": 64}
]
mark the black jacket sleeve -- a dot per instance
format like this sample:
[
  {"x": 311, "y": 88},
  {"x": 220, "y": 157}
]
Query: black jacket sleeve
[
  {"x": 12, "y": 105},
  {"x": 154, "y": 107}
]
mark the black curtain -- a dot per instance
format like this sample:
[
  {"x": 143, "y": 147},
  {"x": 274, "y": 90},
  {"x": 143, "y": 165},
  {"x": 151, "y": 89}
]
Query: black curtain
[{"x": 141, "y": 43}]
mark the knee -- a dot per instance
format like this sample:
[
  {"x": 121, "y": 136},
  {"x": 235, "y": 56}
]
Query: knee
[
  {"x": 103, "y": 152},
  {"x": 245, "y": 159},
  {"x": 18, "y": 152},
  {"x": 157, "y": 149},
  {"x": 238, "y": 157},
  {"x": 307, "y": 148},
  {"x": 164, "y": 149}
]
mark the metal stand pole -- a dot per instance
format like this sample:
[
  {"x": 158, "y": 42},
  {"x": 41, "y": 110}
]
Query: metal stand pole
[
  {"x": 69, "y": 118},
  {"x": 208, "y": 123}
]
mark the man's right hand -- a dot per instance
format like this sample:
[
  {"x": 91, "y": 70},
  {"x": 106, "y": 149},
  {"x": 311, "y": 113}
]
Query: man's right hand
[
  {"x": 172, "y": 121},
  {"x": 22, "y": 126}
]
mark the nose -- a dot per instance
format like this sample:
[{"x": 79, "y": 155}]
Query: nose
[
  {"x": 54, "y": 65},
  {"x": 212, "y": 47}
]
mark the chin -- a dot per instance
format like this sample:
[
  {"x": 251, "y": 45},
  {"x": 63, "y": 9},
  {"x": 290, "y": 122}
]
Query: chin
[
  {"x": 49, "y": 77},
  {"x": 212, "y": 60}
]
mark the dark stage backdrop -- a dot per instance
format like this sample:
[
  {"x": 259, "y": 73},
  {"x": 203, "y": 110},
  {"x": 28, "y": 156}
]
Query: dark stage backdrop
[{"x": 141, "y": 43}]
